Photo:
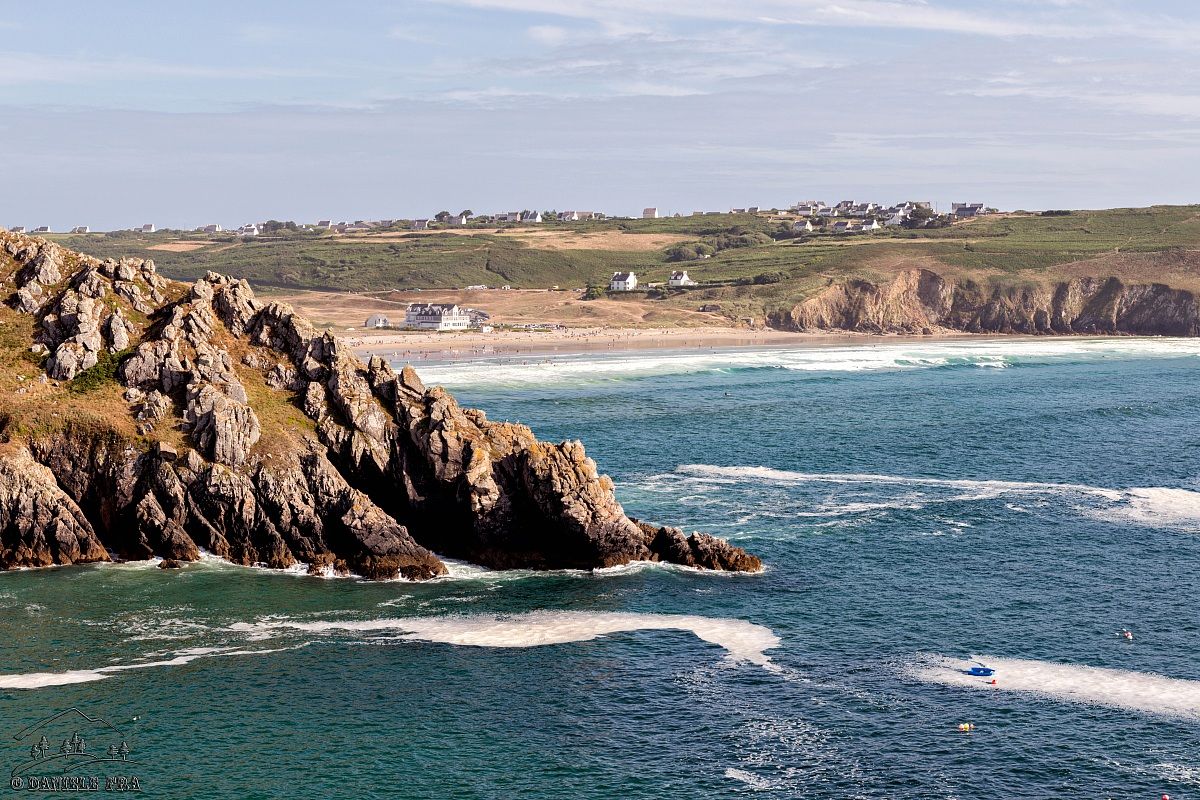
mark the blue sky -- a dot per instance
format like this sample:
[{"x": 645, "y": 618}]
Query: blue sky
[{"x": 114, "y": 114}]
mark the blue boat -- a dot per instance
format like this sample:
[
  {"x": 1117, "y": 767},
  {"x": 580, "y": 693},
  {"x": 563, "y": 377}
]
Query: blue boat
[{"x": 982, "y": 672}]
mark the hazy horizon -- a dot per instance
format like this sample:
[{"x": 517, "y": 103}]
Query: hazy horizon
[{"x": 301, "y": 111}]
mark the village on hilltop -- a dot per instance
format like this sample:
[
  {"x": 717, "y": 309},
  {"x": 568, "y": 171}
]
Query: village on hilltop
[{"x": 809, "y": 217}]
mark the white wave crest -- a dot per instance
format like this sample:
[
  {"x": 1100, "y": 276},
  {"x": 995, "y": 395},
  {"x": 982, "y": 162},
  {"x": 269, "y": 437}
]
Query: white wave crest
[
  {"x": 1136, "y": 691},
  {"x": 38, "y": 680},
  {"x": 742, "y": 641},
  {"x": 544, "y": 369},
  {"x": 1151, "y": 506}
]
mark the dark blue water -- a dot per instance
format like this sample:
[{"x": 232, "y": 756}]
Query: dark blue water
[{"x": 918, "y": 509}]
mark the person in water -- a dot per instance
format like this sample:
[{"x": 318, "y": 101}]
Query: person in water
[{"x": 1128, "y": 634}]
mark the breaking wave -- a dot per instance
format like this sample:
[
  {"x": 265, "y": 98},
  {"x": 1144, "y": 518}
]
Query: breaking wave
[
  {"x": 39, "y": 680},
  {"x": 742, "y": 641},
  {"x": 1151, "y": 506},
  {"x": 543, "y": 369}
]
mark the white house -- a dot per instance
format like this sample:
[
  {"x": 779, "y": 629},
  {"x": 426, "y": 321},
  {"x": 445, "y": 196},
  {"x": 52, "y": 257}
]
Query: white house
[
  {"x": 420, "y": 225},
  {"x": 531, "y": 216},
  {"x": 436, "y": 317},
  {"x": 802, "y": 225},
  {"x": 214, "y": 228},
  {"x": 17, "y": 229},
  {"x": 42, "y": 229},
  {"x": 827, "y": 212},
  {"x": 680, "y": 278},
  {"x": 870, "y": 225},
  {"x": 148, "y": 228},
  {"x": 895, "y": 219},
  {"x": 622, "y": 282},
  {"x": 458, "y": 219},
  {"x": 508, "y": 216},
  {"x": 81, "y": 229},
  {"x": 843, "y": 227},
  {"x": 377, "y": 321},
  {"x": 649, "y": 213},
  {"x": 250, "y": 229}
]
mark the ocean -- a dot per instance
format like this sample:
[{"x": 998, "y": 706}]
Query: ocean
[{"x": 921, "y": 508}]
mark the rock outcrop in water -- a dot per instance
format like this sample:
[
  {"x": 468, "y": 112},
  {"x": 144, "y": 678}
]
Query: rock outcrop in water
[
  {"x": 922, "y": 301},
  {"x": 194, "y": 418}
]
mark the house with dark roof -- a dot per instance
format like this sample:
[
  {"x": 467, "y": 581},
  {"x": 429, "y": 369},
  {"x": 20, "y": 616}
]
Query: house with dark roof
[
  {"x": 436, "y": 317},
  {"x": 623, "y": 282}
]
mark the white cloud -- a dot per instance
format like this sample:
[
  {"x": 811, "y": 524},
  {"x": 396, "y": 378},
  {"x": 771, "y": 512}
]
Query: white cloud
[
  {"x": 1044, "y": 19},
  {"x": 407, "y": 33},
  {"x": 547, "y": 34},
  {"x": 34, "y": 68}
]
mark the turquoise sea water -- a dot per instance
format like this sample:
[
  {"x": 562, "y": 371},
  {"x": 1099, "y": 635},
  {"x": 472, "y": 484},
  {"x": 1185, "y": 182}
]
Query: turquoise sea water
[{"x": 920, "y": 508}]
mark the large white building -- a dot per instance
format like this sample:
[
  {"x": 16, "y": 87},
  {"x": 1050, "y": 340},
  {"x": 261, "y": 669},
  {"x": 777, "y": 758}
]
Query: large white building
[
  {"x": 437, "y": 317},
  {"x": 680, "y": 278},
  {"x": 649, "y": 213},
  {"x": 623, "y": 282}
]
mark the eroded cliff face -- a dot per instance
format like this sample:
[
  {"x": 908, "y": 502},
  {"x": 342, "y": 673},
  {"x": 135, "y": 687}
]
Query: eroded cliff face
[
  {"x": 922, "y": 301},
  {"x": 249, "y": 434}
]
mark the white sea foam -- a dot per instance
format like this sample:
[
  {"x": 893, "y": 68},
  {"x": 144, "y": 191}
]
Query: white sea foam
[
  {"x": 38, "y": 680},
  {"x": 1137, "y": 691},
  {"x": 1160, "y": 506},
  {"x": 743, "y": 641},
  {"x": 544, "y": 369},
  {"x": 752, "y": 781},
  {"x": 1153, "y": 506}
]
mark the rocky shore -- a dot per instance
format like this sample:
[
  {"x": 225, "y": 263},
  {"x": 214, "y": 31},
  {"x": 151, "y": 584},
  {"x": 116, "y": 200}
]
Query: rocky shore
[
  {"x": 166, "y": 419},
  {"x": 922, "y": 301}
]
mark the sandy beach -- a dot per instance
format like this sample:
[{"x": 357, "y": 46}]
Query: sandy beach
[{"x": 418, "y": 347}]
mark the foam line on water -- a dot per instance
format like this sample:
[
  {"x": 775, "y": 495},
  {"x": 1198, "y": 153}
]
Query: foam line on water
[
  {"x": 540, "y": 369},
  {"x": 1146, "y": 692},
  {"x": 742, "y": 641},
  {"x": 1154, "y": 506},
  {"x": 39, "y": 680}
]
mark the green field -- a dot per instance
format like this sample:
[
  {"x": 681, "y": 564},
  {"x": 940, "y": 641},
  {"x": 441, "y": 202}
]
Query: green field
[{"x": 1146, "y": 244}]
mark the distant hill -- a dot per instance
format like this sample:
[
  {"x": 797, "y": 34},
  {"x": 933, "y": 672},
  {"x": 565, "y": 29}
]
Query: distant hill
[{"x": 757, "y": 267}]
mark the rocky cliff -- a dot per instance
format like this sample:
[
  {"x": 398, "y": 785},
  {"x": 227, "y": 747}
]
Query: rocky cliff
[
  {"x": 159, "y": 419},
  {"x": 922, "y": 301}
]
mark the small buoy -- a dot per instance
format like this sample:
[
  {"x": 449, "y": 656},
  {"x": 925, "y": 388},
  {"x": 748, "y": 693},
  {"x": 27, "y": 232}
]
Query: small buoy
[
  {"x": 993, "y": 683},
  {"x": 965, "y": 727}
]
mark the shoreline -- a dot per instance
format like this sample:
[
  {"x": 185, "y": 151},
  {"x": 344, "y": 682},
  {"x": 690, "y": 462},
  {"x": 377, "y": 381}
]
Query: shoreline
[{"x": 419, "y": 348}]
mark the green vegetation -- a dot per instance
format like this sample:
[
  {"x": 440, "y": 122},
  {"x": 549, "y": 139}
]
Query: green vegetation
[
  {"x": 102, "y": 373},
  {"x": 744, "y": 256}
]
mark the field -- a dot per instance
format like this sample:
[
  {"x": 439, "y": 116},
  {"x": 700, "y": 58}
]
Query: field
[{"x": 1160, "y": 244}]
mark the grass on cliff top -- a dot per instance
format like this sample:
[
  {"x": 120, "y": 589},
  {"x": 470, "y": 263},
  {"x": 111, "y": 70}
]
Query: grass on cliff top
[
  {"x": 1143, "y": 244},
  {"x": 1004, "y": 244}
]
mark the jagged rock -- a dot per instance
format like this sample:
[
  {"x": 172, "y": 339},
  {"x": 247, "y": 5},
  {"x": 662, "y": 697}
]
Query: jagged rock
[
  {"x": 169, "y": 563},
  {"x": 921, "y": 300},
  {"x": 40, "y": 524},
  {"x": 29, "y": 298},
  {"x": 42, "y": 264},
  {"x": 393, "y": 471},
  {"x": 152, "y": 406},
  {"x": 70, "y": 359},
  {"x": 281, "y": 377},
  {"x": 223, "y": 428},
  {"x": 116, "y": 330},
  {"x": 698, "y": 550}
]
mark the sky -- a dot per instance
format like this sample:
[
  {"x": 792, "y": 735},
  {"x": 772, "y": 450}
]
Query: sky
[{"x": 182, "y": 114}]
